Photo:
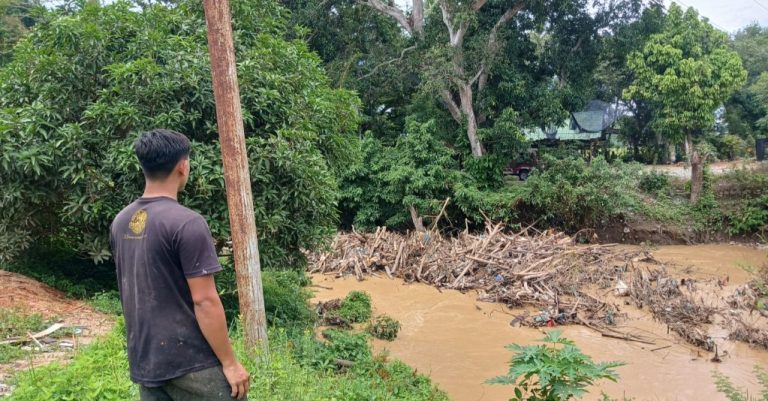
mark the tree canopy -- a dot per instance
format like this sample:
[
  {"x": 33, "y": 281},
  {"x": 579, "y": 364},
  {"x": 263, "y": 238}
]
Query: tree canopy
[
  {"x": 81, "y": 86},
  {"x": 685, "y": 72}
]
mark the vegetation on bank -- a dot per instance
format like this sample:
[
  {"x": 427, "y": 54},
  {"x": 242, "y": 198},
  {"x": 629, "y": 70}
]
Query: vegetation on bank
[
  {"x": 299, "y": 367},
  {"x": 296, "y": 369}
]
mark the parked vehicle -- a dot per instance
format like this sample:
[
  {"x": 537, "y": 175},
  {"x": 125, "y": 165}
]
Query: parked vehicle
[{"x": 521, "y": 170}]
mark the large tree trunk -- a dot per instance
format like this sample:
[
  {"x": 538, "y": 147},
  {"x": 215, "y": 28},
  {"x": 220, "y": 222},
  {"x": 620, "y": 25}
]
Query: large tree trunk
[
  {"x": 671, "y": 153},
  {"x": 468, "y": 110},
  {"x": 697, "y": 176},
  {"x": 417, "y": 18}
]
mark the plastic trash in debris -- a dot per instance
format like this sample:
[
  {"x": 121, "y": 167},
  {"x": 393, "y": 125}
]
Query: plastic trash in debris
[
  {"x": 622, "y": 289},
  {"x": 542, "y": 318},
  {"x": 66, "y": 345},
  {"x": 498, "y": 278}
]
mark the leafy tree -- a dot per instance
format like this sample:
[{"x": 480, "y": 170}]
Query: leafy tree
[
  {"x": 613, "y": 76},
  {"x": 685, "y": 72},
  {"x": 362, "y": 51},
  {"x": 477, "y": 58},
  {"x": 391, "y": 184},
  {"x": 759, "y": 90},
  {"x": 81, "y": 86},
  {"x": 745, "y": 108}
]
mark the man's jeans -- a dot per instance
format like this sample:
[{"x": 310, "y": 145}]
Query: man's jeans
[{"x": 205, "y": 385}]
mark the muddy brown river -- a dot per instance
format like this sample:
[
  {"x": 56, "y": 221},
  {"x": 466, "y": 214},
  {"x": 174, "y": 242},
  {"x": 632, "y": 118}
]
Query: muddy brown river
[{"x": 459, "y": 342}]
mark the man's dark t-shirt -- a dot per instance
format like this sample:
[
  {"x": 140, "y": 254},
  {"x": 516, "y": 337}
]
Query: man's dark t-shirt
[{"x": 157, "y": 244}]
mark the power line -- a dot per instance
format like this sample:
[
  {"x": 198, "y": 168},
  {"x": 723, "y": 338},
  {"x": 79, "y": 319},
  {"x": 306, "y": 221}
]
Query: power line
[
  {"x": 761, "y": 5},
  {"x": 709, "y": 19}
]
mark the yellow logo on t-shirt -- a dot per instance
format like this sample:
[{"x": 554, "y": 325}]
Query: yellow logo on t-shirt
[{"x": 138, "y": 222}]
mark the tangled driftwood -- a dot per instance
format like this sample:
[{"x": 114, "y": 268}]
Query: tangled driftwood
[{"x": 548, "y": 270}]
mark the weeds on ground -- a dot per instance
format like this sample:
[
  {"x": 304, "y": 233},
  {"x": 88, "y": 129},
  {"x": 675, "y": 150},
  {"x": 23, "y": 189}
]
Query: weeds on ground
[
  {"x": 726, "y": 386},
  {"x": 15, "y": 323},
  {"x": 555, "y": 371},
  {"x": 100, "y": 372},
  {"x": 345, "y": 345},
  {"x": 107, "y": 302}
]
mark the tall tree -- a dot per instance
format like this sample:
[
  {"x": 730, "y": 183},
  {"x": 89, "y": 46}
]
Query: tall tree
[
  {"x": 744, "y": 109},
  {"x": 462, "y": 48},
  {"x": 613, "y": 76},
  {"x": 685, "y": 73}
]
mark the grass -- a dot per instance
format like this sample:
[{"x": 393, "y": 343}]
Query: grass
[
  {"x": 100, "y": 372},
  {"x": 107, "y": 302},
  {"x": 13, "y": 324}
]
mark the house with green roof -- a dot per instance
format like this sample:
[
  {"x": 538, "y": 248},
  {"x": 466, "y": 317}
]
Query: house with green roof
[{"x": 592, "y": 123}]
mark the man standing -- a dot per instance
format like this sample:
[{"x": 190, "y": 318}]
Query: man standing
[{"x": 178, "y": 348}]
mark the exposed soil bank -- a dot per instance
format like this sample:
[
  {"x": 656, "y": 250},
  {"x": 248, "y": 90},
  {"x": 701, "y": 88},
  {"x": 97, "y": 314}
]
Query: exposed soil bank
[{"x": 460, "y": 342}]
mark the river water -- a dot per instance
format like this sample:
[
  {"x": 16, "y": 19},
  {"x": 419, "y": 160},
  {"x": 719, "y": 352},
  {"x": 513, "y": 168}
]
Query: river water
[{"x": 459, "y": 342}]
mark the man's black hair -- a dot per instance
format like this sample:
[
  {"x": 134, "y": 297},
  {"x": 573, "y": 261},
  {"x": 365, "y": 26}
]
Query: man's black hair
[{"x": 159, "y": 150}]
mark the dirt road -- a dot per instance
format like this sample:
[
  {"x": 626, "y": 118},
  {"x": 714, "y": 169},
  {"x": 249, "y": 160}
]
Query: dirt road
[{"x": 682, "y": 170}]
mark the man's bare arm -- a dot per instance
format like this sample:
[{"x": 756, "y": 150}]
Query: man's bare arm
[{"x": 210, "y": 316}]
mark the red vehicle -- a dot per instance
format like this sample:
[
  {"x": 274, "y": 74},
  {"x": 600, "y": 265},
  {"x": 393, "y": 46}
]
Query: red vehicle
[{"x": 521, "y": 170}]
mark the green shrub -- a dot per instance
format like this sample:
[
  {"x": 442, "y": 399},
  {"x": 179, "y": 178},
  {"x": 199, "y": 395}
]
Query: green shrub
[
  {"x": 286, "y": 298},
  {"x": 384, "y": 328},
  {"x": 417, "y": 170},
  {"x": 346, "y": 345},
  {"x": 708, "y": 216},
  {"x": 745, "y": 181},
  {"x": 557, "y": 371},
  {"x": 356, "y": 307},
  {"x": 752, "y": 217},
  {"x": 654, "y": 182},
  {"x": 572, "y": 194},
  {"x": 107, "y": 302}
]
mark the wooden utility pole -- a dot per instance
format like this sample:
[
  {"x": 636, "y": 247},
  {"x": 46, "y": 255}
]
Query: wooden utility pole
[{"x": 245, "y": 245}]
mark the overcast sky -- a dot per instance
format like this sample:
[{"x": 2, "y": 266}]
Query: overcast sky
[{"x": 729, "y": 15}]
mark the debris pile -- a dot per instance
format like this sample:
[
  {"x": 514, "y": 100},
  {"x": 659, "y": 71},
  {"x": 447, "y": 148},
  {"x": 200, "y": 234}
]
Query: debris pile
[
  {"x": 749, "y": 331},
  {"x": 559, "y": 281},
  {"x": 546, "y": 270},
  {"x": 747, "y": 318},
  {"x": 665, "y": 298}
]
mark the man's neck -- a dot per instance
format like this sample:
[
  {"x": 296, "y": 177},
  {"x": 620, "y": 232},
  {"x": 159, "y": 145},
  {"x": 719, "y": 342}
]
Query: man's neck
[{"x": 154, "y": 189}]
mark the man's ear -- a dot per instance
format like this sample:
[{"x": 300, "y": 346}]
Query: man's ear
[{"x": 182, "y": 166}]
